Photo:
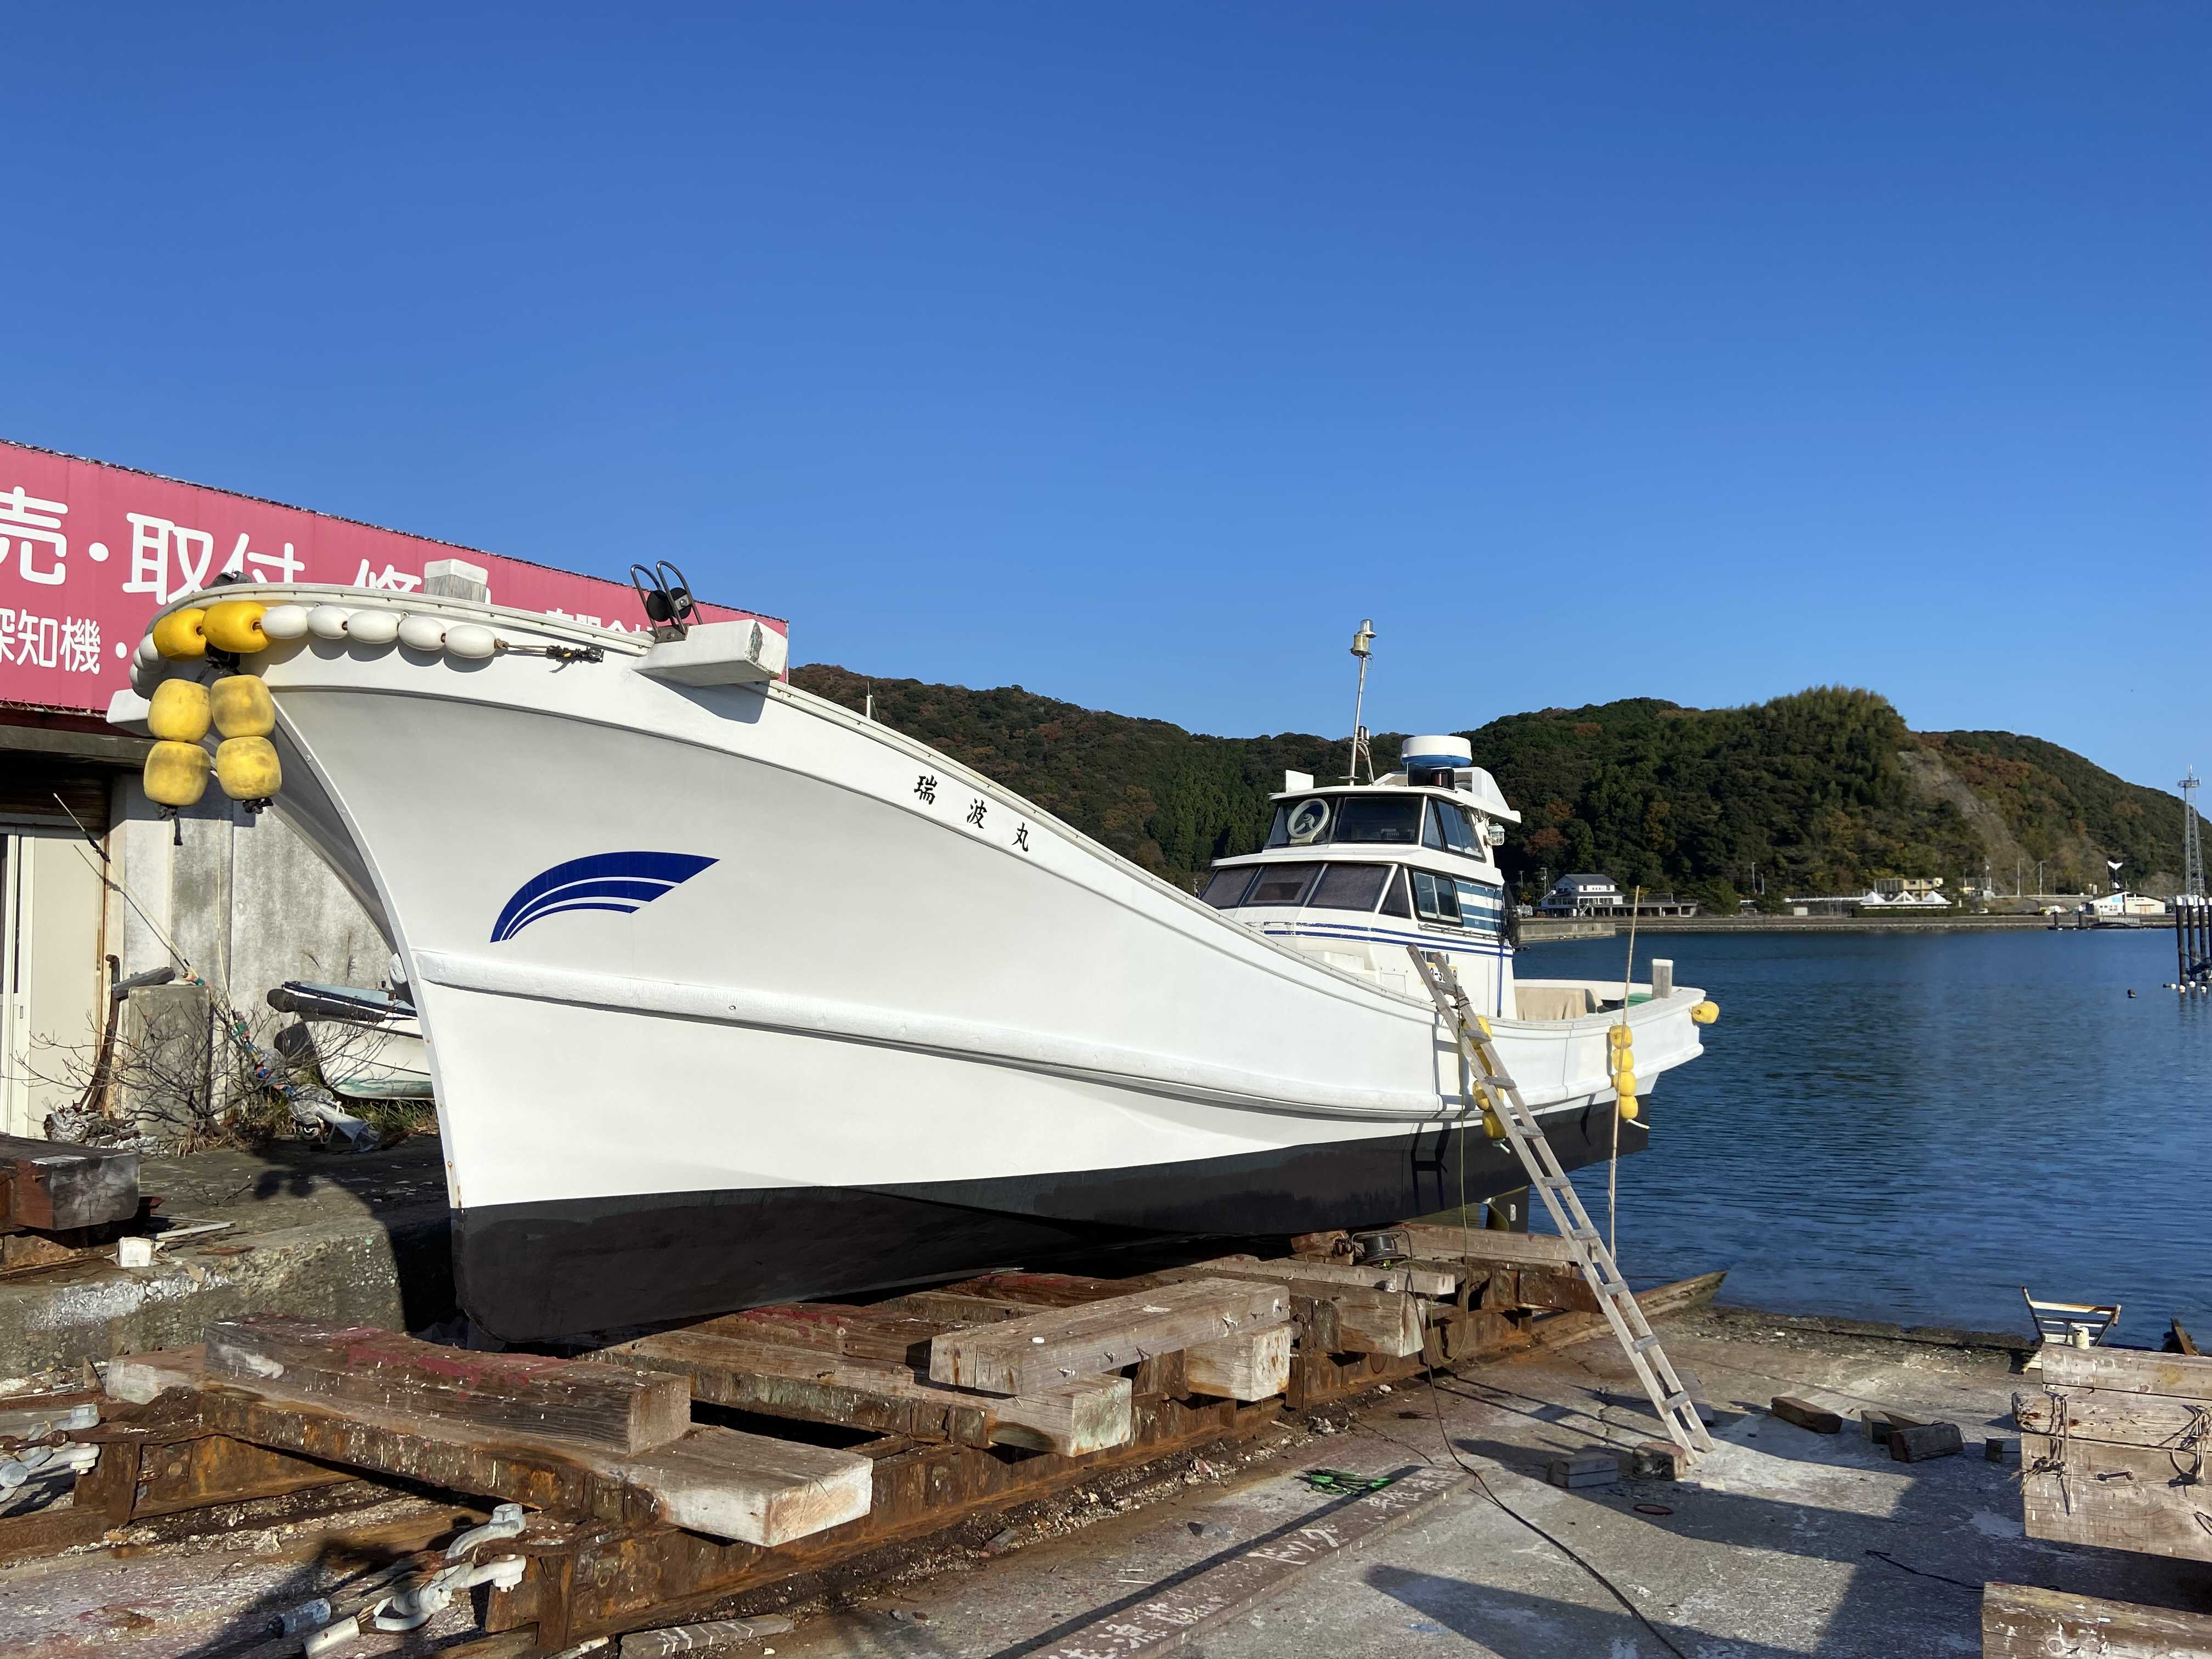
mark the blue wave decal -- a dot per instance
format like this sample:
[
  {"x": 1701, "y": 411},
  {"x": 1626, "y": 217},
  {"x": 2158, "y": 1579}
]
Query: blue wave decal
[{"x": 605, "y": 881}]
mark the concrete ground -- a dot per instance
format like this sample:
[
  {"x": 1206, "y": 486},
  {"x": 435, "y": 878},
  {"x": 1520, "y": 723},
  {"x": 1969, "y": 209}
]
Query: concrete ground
[
  {"x": 1785, "y": 1542},
  {"x": 355, "y": 1237}
]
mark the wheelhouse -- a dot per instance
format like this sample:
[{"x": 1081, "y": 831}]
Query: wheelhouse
[{"x": 1356, "y": 873}]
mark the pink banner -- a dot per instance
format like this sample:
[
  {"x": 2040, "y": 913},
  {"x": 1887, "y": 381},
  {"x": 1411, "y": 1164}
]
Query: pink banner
[{"x": 90, "y": 552}]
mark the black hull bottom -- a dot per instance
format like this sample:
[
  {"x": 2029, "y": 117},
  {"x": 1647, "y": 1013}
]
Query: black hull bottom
[{"x": 531, "y": 1272}]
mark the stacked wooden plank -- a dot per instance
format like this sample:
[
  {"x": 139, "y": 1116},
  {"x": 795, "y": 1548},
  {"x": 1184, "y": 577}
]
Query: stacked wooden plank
[
  {"x": 603, "y": 1440},
  {"x": 2113, "y": 1450},
  {"x": 2019, "y": 1621}
]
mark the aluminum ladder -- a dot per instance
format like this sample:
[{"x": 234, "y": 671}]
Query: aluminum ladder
[{"x": 1495, "y": 1091}]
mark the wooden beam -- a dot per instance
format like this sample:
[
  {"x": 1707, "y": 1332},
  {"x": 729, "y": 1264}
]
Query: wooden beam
[
  {"x": 1477, "y": 1244},
  {"x": 1398, "y": 1278},
  {"x": 2019, "y": 1621},
  {"x": 2120, "y": 1497},
  {"x": 1806, "y": 1415},
  {"x": 1564, "y": 1329},
  {"x": 1021, "y": 1355},
  {"x": 1359, "y": 1319},
  {"x": 1073, "y": 1418},
  {"x": 719, "y": 1481},
  {"x": 348, "y": 1366},
  {"x": 2132, "y": 1371},
  {"x": 1255, "y": 1367},
  {"x": 2126, "y": 1420}
]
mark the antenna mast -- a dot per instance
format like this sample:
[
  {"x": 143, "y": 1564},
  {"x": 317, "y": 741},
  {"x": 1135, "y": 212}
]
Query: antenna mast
[
  {"x": 2193, "y": 847},
  {"x": 1363, "y": 647}
]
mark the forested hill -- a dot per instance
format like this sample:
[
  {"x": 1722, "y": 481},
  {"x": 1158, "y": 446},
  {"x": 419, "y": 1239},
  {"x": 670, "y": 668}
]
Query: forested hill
[{"x": 1816, "y": 793}]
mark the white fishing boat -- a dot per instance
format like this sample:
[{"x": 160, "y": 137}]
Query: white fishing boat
[{"x": 731, "y": 994}]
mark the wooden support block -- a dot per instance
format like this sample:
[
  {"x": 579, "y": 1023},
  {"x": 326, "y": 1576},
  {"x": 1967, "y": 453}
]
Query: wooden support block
[
  {"x": 1307, "y": 1275},
  {"x": 1477, "y": 1244},
  {"x": 56, "y": 1186},
  {"x": 1536, "y": 1287},
  {"x": 1590, "y": 1469},
  {"x": 1806, "y": 1415},
  {"x": 1164, "y": 1375},
  {"x": 1917, "y": 1446},
  {"x": 898, "y": 1334},
  {"x": 2121, "y": 1418},
  {"x": 748, "y": 1486},
  {"x": 1021, "y": 1355},
  {"x": 1073, "y": 1418},
  {"x": 138, "y": 1377},
  {"x": 1329, "y": 1246},
  {"x": 1879, "y": 1424},
  {"x": 1359, "y": 1319},
  {"x": 357, "y": 1366},
  {"x": 2019, "y": 1621},
  {"x": 1654, "y": 1460},
  {"x": 2129, "y": 1370},
  {"x": 2119, "y": 1497},
  {"x": 1255, "y": 1367}
]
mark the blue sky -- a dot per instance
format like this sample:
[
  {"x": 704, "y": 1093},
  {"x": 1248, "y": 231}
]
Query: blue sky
[{"x": 1135, "y": 353}]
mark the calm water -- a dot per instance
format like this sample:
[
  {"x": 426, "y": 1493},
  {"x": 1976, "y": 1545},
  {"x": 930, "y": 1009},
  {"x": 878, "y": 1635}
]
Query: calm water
[{"x": 1912, "y": 1126}]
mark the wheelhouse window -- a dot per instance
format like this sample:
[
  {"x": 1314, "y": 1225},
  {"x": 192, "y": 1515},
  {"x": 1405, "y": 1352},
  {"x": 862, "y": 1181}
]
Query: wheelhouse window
[
  {"x": 1481, "y": 906},
  {"x": 1283, "y": 884},
  {"x": 1349, "y": 886},
  {"x": 1302, "y": 822},
  {"x": 1226, "y": 890},
  {"x": 1436, "y": 898},
  {"x": 1394, "y": 902},
  {"x": 1379, "y": 818},
  {"x": 1459, "y": 835}
]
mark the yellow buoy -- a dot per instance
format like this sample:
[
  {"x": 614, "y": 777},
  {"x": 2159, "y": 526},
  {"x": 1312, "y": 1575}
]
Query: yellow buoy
[
  {"x": 179, "y": 711},
  {"x": 1482, "y": 1025},
  {"x": 241, "y": 708},
  {"x": 176, "y": 774},
  {"x": 247, "y": 769},
  {"x": 1493, "y": 1125},
  {"x": 1623, "y": 1084},
  {"x": 234, "y": 625},
  {"x": 1619, "y": 1035},
  {"x": 179, "y": 635},
  {"x": 1630, "y": 1111},
  {"x": 1705, "y": 1013}
]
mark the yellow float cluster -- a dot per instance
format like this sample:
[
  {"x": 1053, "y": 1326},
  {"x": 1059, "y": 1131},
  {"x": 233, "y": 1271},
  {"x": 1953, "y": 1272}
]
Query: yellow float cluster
[
  {"x": 236, "y": 705},
  {"x": 1622, "y": 1042},
  {"x": 1706, "y": 1012}
]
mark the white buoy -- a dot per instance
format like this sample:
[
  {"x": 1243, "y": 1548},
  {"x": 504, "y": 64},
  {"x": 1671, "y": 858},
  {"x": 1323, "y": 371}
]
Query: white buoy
[
  {"x": 285, "y": 622},
  {"x": 422, "y": 634},
  {"x": 469, "y": 640},
  {"x": 371, "y": 627},
  {"x": 328, "y": 621}
]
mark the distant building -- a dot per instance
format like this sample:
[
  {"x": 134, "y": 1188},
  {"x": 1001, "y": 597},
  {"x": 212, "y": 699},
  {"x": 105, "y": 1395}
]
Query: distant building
[
  {"x": 1600, "y": 896},
  {"x": 1915, "y": 887},
  {"x": 2123, "y": 904}
]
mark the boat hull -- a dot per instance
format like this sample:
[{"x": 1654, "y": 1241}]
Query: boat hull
[
  {"x": 532, "y": 1271},
  {"x": 732, "y": 996}
]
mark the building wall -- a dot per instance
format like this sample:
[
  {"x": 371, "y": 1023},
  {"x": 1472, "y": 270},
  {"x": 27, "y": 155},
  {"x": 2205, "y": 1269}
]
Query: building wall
[{"x": 246, "y": 901}]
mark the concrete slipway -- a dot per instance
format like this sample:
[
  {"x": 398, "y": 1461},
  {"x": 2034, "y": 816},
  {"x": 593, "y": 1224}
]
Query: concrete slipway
[{"x": 1786, "y": 1542}]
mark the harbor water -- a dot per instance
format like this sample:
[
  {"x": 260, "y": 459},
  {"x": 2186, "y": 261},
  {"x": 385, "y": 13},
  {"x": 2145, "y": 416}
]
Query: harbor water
[{"x": 1912, "y": 1126}]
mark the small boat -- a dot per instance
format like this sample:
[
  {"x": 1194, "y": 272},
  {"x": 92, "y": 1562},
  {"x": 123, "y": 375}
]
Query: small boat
[
  {"x": 734, "y": 995},
  {"x": 368, "y": 1044}
]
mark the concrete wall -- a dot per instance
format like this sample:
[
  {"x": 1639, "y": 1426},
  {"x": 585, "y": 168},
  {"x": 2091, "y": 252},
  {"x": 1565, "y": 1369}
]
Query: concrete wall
[{"x": 246, "y": 901}]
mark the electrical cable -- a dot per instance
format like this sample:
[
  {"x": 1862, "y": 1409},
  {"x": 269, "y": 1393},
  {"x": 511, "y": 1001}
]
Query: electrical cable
[{"x": 1611, "y": 1588}]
